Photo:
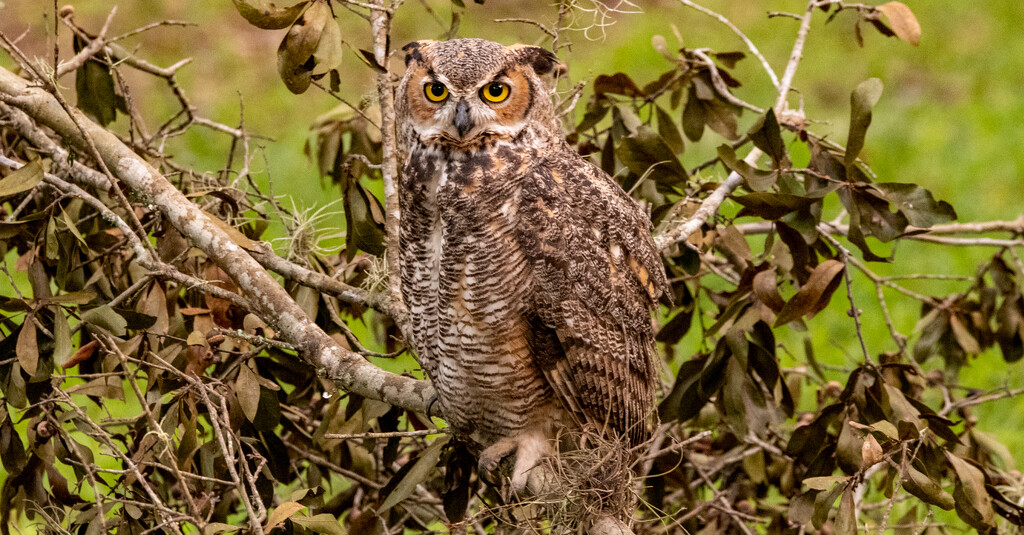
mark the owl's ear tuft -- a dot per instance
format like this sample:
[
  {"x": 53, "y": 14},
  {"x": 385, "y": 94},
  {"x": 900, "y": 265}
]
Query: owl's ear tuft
[
  {"x": 542, "y": 60},
  {"x": 412, "y": 52}
]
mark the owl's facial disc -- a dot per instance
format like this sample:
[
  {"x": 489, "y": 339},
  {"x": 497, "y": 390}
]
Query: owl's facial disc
[{"x": 448, "y": 111}]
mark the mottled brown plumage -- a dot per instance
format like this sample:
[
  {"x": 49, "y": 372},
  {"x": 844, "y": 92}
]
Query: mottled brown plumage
[{"x": 528, "y": 272}]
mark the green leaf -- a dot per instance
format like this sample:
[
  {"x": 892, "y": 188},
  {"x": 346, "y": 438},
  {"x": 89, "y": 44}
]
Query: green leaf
[
  {"x": 61, "y": 338},
  {"x": 848, "y": 449},
  {"x": 862, "y": 100},
  {"x": 647, "y": 153},
  {"x": 926, "y": 489},
  {"x": 268, "y": 415},
  {"x": 846, "y": 517},
  {"x": 266, "y": 15},
  {"x": 95, "y": 88},
  {"x": 669, "y": 132},
  {"x": 421, "y": 468},
  {"x": 104, "y": 387},
  {"x": 694, "y": 116},
  {"x": 364, "y": 220},
  {"x": 105, "y": 318},
  {"x": 917, "y": 204},
  {"x": 595, "y": 112},
  {"x": 23, "y": 179},
  {"x": 721, "y": 117},
  {"x": 772, "y": 205},
  {"x": 677, "y": 405},
  {"x": 82, "y": 297},
  {"x": 994, "y": 447},
  {"x": 972, "y": 501},
  {"x": 756, "y": 179},
  {"x": 767, "y": 136},
  {"x": 322, "y": 523},
  {"x": 213, "y": 528},
  {"x": 823, "y": 482},
  {"x": 874, "y": 213},
  {"x": 12, "y": 450},
  {"x": 823, "y": 503}
]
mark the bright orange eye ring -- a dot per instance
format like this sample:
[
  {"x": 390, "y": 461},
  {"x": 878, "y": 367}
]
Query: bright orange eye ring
[
  {"x": 495, "y": 92},
  {"x": 435, "y": 91}
]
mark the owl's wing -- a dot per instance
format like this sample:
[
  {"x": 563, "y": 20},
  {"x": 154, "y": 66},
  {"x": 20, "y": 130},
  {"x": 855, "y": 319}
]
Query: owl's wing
[{"x": 596, "y": 276}]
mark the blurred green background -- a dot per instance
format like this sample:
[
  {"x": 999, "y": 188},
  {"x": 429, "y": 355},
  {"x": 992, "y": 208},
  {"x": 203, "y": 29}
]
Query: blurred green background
[{"x": 949, "y": 119}]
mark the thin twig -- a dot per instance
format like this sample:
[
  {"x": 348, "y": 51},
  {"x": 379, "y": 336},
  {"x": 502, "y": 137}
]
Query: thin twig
[
  {"x": 388, "y": 434},
  {"x": 542, "y": 27},
  {"x": 746, "y": 40}
]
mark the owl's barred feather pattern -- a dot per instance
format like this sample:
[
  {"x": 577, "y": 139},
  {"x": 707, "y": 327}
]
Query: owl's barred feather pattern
[{"x": 528, "y": 272}]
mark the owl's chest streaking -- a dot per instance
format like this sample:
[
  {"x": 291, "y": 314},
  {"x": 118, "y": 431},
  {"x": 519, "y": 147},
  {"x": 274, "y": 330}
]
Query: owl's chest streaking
[{"x": 466, "y": 281}]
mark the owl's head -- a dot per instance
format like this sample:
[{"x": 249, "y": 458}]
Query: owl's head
[{"x": 458, "y": 93}]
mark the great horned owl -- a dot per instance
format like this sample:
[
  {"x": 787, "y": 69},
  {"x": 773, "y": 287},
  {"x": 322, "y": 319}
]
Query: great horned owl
[{"x": 528, "y": 272}]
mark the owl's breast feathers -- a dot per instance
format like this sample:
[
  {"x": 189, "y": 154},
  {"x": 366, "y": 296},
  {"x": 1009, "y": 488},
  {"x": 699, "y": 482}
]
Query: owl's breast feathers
[{"x": 558, "y": 269}]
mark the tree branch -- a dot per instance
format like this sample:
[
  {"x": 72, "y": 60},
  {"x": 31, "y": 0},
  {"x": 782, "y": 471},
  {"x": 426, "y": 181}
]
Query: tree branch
[
  {"x": 268, "y": 299},
  {"x": 380, "y": 21}
]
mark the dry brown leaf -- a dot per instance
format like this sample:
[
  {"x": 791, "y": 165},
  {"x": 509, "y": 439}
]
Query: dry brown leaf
[{"x": 903, "y": 21}]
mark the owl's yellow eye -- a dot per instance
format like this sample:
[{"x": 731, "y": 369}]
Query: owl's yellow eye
[
  {"x": 495, "y": 92},
  {"x": 436, "y": 91}
]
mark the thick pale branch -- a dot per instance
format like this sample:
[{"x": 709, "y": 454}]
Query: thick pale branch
[
  {"x": 269, "y": 300},
  {"x": 708, "y": 208}
]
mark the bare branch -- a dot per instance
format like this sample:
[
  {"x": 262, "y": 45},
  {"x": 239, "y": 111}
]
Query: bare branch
[
  {"x": 89, "y": 51},
  {"x": 794, "y": 58}
]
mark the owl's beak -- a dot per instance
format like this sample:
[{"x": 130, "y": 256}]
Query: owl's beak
[{"x": 463, "y": 121}]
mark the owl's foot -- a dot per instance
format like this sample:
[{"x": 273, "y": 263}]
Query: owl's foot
[
  {"x": 492, "y": 457},
  {"x": 529, "y": 447}
]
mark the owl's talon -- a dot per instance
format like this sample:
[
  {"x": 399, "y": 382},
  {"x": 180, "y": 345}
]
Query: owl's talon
[{"x": 430, "y": 406}]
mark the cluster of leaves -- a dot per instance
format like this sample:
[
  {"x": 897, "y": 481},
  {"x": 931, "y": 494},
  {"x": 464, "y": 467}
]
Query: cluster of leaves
[
  {"x": 990, "y": 312},
  {"x": 310, "y": 50},
  {"x": 226, "y": 426}
]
